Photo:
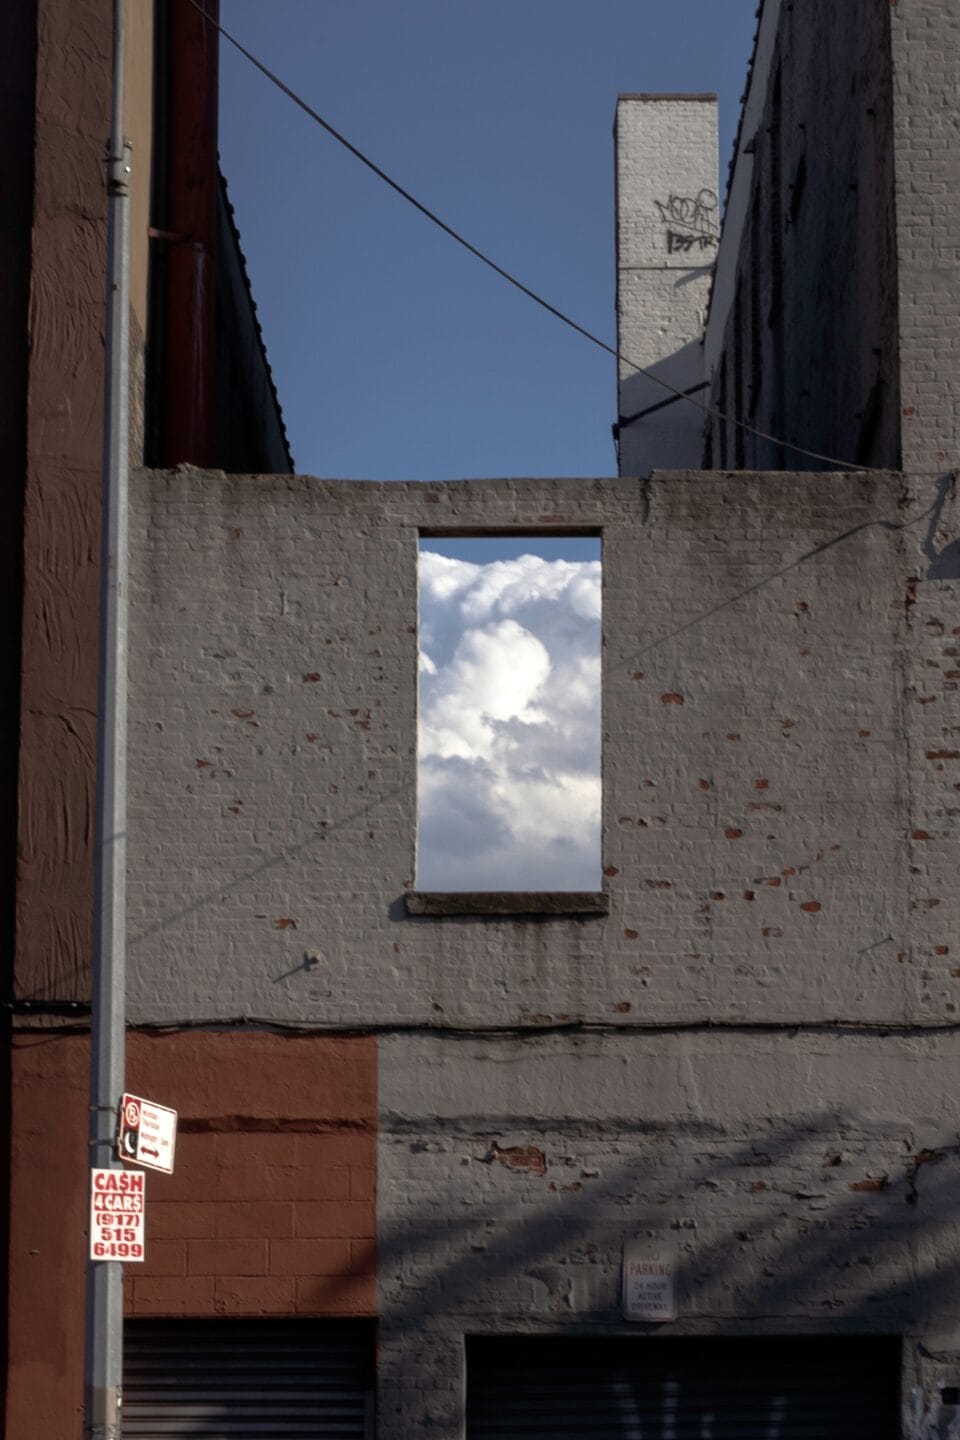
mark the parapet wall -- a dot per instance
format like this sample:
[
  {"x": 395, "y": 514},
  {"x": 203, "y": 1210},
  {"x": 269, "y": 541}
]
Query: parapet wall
[{"x": 780, "y": 755}]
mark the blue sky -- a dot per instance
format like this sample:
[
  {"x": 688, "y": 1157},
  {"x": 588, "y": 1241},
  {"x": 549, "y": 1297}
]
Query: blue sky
[{"x": 397, "y": 355}]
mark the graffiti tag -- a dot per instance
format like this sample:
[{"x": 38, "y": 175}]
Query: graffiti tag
[{"x": 690, "y": 221}]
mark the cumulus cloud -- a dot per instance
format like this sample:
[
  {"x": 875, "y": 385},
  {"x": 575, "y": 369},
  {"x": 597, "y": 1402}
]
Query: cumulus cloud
[{"x": 509, "y": 770}]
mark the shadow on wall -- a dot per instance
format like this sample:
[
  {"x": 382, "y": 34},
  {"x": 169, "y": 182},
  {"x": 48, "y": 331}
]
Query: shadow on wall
[{"x": 826, "y": 1224}]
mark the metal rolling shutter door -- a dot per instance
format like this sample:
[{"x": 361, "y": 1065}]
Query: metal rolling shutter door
[
  {"x": 652, "y": 1389},
  {"x": 247, "y": 1380}
]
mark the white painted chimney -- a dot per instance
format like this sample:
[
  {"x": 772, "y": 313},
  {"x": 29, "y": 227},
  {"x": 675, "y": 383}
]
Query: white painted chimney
[{"x": 668, "y": 226}]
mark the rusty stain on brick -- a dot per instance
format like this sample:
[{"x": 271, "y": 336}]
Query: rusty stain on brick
[
  {"x": 671, "y": 698},
  {"x": 631, "y": 934},
  {"x": 733, "y": 736},
  {"x": 638, "y": 674},
  {"x": 622, "y": 1007},
  {"x": 732, "y": 833},
  {"x": 202, "y": 764},
  {"x": 243, "y": 714},
  {"x": 518, "y": 1157},
  {"x": 311, "y": 677},
  {"x": 285, "y": 923},
  {"x": 757, "y": 1185},
  {"x": 311, "y": 736},
  {"x": 704, "y": 784},
  {"x": 660, "y": 884}
]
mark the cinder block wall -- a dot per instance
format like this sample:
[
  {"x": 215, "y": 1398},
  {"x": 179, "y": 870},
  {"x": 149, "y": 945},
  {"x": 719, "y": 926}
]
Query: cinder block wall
[{"x": 756, "y": 1053}]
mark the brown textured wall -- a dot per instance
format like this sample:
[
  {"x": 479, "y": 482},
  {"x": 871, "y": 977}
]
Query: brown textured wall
[
  {"x": 61, "y": 512},
  {"x": 271, "y": 1209}
]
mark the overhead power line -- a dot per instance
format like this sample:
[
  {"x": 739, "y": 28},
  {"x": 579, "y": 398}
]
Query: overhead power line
[{"x": 504, "y": 274}]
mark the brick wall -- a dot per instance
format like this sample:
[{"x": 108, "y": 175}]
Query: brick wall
[
  {"x": 270, "y": 1210},
  {"x": 926, "y": 80},
  {"x": 764, "y": 1048},
  {"x": 761, "y": 784},
  {"x": 271, "y": 1207},
  {"x": 668, "y": 219}
]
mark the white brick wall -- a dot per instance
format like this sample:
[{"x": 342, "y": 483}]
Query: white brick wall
[{"x": 666, "y": 160}]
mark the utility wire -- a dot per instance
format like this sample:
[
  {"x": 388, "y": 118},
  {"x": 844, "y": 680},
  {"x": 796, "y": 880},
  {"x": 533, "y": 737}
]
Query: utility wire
[{"x": 560, "y": 315}]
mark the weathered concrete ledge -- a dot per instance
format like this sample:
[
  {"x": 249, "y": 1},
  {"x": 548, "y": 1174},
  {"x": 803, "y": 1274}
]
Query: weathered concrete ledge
[{"x": 507, "y": 902}]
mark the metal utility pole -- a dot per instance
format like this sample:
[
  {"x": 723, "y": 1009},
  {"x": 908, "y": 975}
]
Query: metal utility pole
[{"x": 104, "y": 1309}]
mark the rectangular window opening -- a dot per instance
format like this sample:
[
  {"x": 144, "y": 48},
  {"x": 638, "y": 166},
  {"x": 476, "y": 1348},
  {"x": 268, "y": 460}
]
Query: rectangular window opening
[{"x": 509, "y": 785}]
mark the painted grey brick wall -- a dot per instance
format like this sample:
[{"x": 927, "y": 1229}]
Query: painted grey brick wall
[
  {"x": 807, "y": 1181},
  {"x": 668, "y": 219},
  {"x": 779, "y": 714},
  {"x": 757, "y": 1054},
  {"x": 926, "y": 71}
]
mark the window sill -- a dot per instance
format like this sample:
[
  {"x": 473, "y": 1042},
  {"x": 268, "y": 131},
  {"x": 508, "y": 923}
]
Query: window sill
[{"x": 507, "y": 902}]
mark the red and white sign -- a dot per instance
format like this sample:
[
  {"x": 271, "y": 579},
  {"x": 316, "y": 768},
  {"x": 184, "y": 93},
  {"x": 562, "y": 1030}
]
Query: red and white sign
[
  {"x": 117, "y": 1214},
  {"x": 148, "y": 1133}
]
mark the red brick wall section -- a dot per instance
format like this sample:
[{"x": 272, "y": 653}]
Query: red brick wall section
[{"x": 271, "y": 1210}]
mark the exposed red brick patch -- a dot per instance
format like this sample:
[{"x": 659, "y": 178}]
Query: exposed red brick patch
[
  {"x": 671, "y": 698},
  {"x": 631, "y": 934},
  {"x": 759, "y": 1185},
  {"x": 202, "y": 764},
  {"x": 864, "y": 733},
  {"x": 732, "y": 833},
  {"x": 811, "y": 906},
  {"x": 920, "y": 835},
  {"x": 622, "y": 1007},
  {"x": 285, "y": 923},
  {"x": 243, "y": 714},
  {"x": 518, "y": 1157},
  {"x": 638, "y": 674},
  {"x": 311, "y": 677},
  {"x": 749, "y": 895},
  {"x": 704, "y": 784},
  {"x": 717, "y": 895},
  {"x": 761, "y": 784},
  {"x": 871, "y": 1184},
  {"x": 943, "y": 754},
  {"x": 611, "y": 870}
]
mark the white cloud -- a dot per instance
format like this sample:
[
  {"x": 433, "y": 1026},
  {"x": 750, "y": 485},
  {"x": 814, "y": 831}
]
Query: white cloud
[{"x": 509, "y": 724}]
